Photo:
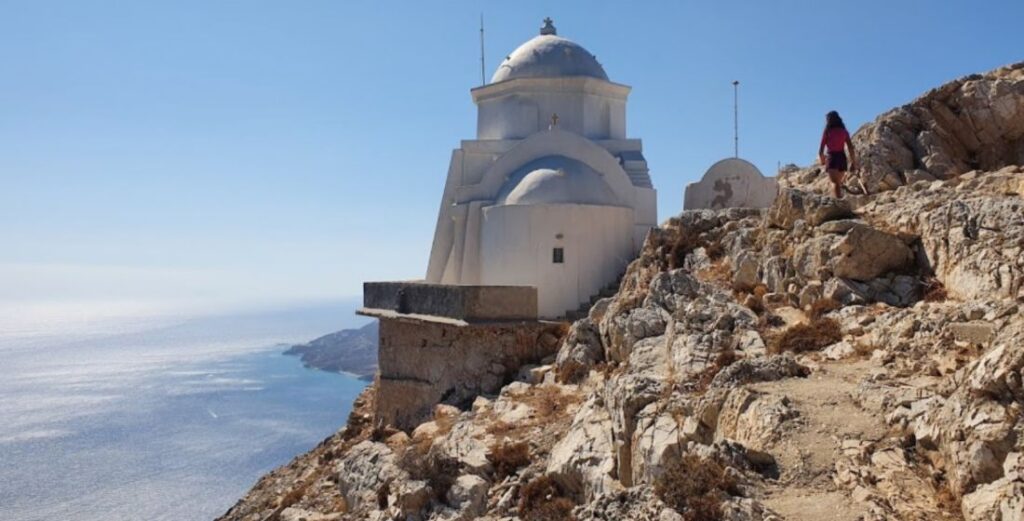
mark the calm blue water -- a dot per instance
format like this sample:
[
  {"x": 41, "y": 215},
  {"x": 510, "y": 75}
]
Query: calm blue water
[{"x": 171, "y": 423}]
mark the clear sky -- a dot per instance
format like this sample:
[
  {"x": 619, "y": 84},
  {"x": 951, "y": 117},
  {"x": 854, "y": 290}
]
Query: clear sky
[{"x": 207, "y": 154}]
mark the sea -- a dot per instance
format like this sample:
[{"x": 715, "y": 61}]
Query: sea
[{"x": 161, "y": 418}]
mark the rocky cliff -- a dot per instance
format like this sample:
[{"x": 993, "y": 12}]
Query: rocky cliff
[
  {"x": 349, "y": 350},
  {"x": 821, "y": 359}
]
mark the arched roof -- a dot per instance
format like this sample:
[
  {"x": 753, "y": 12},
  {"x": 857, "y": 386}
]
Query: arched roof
[
  {"x": 733, "y": 166},
  {"x": 556, "y": 180}
]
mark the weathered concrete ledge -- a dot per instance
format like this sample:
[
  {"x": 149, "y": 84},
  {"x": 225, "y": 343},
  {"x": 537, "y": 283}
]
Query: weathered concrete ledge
[
  {"x": 465, "y": 303},
  {"x": 449, "y": 344}
]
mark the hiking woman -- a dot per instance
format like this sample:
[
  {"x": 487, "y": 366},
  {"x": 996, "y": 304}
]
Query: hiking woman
[{"x": 836, "y": 140}]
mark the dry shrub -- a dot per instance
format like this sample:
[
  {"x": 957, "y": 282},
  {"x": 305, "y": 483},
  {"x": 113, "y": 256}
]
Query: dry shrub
[
  {"x": 499, "y": 427},
  {"x": 824, "y": 306},
  {"x": 802, "y": 338},
  {"x": 719, "y": 272},
  {"x": 934, "y": 290},
  {"x": 571, "y": 372},
  {"x": 507, "y": 458},
  {"x": 543, "y": 499},
  {"x": 723, "y": 360},
  {"x": 760, "y": 291},
  {"x": 548, "y": 401},
  {"x": 438, "y": 470},
  {"x": 686, "y": 240},
  {"x": 695, "y": 487},
  {"x": 714, "y": 250},
  {"x": 770, "y": 320}
]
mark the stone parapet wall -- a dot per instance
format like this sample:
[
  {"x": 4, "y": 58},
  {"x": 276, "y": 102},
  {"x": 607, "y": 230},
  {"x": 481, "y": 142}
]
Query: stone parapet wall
[{"x": 467, "y": 303}]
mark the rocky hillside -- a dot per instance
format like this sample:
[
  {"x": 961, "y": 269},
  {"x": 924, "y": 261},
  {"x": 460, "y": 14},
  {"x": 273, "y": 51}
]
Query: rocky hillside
[
  {"x": 821, "y": 359},
  {"x": 973, "y": 123},
  {"x": 349, "y": 350}
]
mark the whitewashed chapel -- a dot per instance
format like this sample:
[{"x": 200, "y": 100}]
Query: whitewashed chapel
[{"x": 551, "y": 193}]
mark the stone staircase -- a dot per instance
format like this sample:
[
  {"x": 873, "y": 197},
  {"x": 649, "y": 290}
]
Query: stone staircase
[{"x": 573, "y": 315}]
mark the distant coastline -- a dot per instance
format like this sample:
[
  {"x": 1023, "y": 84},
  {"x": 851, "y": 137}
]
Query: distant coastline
[{"x": 352, "y": 352}]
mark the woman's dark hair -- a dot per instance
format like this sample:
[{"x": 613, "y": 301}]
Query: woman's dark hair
[{"x": 832, "y": 120}]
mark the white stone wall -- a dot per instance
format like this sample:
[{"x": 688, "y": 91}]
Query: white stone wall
[
  {"x": 517, "y": 243},
  {"x": 731, "y": 183},
  {"x": 515, "y": 109}
]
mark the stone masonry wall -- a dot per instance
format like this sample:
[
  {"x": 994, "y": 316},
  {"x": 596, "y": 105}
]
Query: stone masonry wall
[{"x": 424, "y": 363}]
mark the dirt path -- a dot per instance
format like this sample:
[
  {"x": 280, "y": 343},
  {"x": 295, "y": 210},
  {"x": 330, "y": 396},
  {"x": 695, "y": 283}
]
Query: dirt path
[{"x": 806, "y": 458}]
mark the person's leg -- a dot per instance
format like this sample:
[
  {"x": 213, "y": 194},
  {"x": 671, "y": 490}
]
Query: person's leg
[{"x": 836, "y": 176}]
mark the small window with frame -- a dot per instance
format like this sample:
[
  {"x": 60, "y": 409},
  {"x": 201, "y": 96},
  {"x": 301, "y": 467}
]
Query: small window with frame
[{"x": 558, "y": 256}]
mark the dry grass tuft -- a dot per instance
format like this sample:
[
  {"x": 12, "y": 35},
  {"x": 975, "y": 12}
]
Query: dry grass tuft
[
  {"x": 437, "y": 470},
  {"x": 695, "y": 488},
  {"x": 934, "y": 290},
  {"x": 723, "y": 360},
  {"x": 544, "y": 500},
  {"x": 801, "y": 338},
  {"x": 571, "y": 372},
  {"x": 865, "y": 349},
  {"x": 507, "y": 458},
  {"x": 718, "y": 273},
  {"x": 549, "y": 402},
  {"x": 499, "y": 428},
  {"x": 822, "y": 307}
]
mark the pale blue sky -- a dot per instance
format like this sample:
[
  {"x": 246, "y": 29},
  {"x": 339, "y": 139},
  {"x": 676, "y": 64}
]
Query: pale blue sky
[{"x": 225, "y": 153}]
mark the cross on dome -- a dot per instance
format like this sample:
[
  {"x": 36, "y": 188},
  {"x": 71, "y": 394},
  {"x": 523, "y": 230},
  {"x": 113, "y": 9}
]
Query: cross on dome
[{"x": 549, "y": 27}]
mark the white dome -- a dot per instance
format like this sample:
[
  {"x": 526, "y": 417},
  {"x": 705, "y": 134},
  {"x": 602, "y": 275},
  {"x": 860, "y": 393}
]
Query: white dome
[
  {"x": 733, "y": 167},
  {"x": 556, "y": 180},
  {"x": 549, "y": 56}
]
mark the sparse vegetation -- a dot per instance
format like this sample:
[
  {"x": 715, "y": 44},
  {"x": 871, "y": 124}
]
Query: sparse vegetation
[
  {"x": 548, "y": 401},
  {"x": 571, "y": 372},
  {"x": 822, "y": 307},
  {"x": 802, "y": 338},
  {"x": 508, "y": 457},
  {"x": 543, "y": 499},
  {"x": 723, "y": 360},
  {"x": 695, "y": 487},
  {"x": 719, "y": 272},
  {"x": 438, "y": 470},
  {"x": 934, "y": 290},
  {"x": 865, "y": 349}
]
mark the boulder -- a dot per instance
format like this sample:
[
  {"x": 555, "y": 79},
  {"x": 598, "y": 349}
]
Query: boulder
[
  {"x": 866, "y": 253},
  {"x": 793, "y": 205},
  {"x": 581, "y": 349},
  {"x": 583, "y": 461},
  {"x": 366, "y": 473},
  {"x": 469, "y": 495}
]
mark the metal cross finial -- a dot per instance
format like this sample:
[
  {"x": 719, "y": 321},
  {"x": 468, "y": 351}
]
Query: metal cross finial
[
  {"x": 549, "y": 27},
  {"x": 554, "y": 121}
]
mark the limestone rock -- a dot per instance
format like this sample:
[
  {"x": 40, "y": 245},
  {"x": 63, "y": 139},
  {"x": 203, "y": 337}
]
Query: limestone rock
[
  {"x": 865, "y": 253},
  {"x": 366, "y": 472},
  {"x": 583, "y": 461},
  {"x": 469, "y": 495},
  {"x": 582, "y": 347},
  {"x": 791, "y": 206},
  {"x": 761, "y": 369}
]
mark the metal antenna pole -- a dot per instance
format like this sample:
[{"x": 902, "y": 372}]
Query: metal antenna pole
[
  {"x": 736, "y": 117},
  {"x": 483, "y": 78}
]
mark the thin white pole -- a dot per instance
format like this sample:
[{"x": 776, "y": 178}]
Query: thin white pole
[
  {"x": 736, "y": 117},
  {"x": 483, "y": 77}
]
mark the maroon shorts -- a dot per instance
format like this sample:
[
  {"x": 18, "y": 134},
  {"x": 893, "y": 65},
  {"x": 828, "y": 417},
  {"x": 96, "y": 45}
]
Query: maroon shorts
[{"x": 837, "y": 161}]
